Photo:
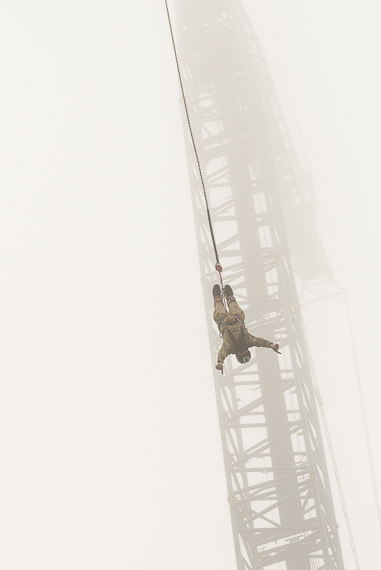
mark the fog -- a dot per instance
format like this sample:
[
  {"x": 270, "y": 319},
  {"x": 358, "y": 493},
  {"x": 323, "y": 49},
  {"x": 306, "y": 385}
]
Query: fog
[{"x": 110, "y": 447}]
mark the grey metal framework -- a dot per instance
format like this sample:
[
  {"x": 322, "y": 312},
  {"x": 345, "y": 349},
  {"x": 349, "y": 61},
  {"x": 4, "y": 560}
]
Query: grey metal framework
[{"x": 278, "y": 489}]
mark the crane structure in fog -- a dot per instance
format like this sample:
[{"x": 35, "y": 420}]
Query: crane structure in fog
[{"x": 262, "y": 207}]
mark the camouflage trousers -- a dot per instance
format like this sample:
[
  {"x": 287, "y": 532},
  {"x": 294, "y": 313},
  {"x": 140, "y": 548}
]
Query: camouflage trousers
[{"x": 234, "y": 310}]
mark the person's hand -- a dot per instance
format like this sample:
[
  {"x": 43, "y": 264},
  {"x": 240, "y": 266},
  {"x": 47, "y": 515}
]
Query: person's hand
[
  {"x": 275, "y": 347},
  {"x": 220, "y": 366}
]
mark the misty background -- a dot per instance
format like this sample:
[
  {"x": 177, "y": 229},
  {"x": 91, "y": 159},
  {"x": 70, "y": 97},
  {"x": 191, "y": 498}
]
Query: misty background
[{"x": 110, "y": 447}]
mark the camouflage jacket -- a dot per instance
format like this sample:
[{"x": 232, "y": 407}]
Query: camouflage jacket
[{"x": 236, "y": 337}]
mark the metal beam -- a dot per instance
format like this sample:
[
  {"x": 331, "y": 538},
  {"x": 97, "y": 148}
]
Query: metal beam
[{"x": 278, "y": 488}]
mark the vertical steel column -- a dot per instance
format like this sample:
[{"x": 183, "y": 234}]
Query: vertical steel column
[{"x": 279, "y": 495}]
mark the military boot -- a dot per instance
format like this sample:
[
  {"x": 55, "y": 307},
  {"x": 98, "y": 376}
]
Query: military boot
[
  {"x": 228, "y": 291},
  {"x": 216, "y": 291}
]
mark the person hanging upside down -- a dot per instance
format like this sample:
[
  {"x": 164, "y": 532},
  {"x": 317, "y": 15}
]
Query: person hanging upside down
[{"x": 236, "y": 338}]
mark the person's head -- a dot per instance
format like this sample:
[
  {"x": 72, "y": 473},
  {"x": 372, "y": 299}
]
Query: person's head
[{"x": 243, "y": 357}]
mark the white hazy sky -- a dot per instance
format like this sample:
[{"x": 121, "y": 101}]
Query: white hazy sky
[{"x": 109, "y": 437}]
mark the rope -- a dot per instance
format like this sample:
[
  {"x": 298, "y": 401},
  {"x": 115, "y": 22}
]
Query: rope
[
  {"x": 337, "y": 477},
  {"x": 333, "y": 459},
  {"x": 364, "y": 416},
  {"x": 218, "y": 266}
]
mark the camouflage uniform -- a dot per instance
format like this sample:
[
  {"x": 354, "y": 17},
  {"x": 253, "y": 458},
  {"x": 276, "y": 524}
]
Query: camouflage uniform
[{"x": 236, "y": 337}]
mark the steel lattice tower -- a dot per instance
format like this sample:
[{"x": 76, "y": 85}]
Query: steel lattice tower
[{"x": 278, "y": 489}]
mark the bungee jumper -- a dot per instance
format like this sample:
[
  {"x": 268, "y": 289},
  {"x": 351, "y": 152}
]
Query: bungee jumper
[{"x": 236, "y": 338}]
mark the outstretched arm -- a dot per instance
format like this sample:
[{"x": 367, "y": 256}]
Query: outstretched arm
[
  {"x": 257, "y": 341},
  {"x": 221, "y": 357}
]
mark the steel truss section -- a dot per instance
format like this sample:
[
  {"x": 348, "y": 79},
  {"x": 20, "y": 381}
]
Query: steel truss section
[{"x": 278, "y": 489}]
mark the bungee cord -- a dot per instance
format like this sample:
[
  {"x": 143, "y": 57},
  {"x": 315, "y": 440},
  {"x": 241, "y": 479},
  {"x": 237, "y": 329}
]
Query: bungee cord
[{"x": 218, "y": 265}]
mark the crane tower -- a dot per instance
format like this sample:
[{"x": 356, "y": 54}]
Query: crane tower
[{"x": 278, "y": 488}]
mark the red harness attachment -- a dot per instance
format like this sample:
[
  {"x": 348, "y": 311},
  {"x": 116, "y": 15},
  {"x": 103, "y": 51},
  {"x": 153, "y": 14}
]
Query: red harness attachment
[{"x": 229, "y": 320}]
